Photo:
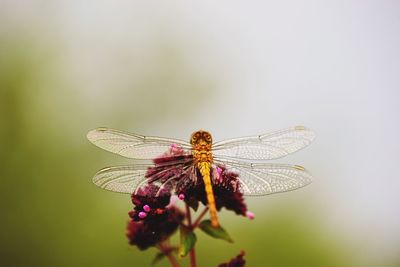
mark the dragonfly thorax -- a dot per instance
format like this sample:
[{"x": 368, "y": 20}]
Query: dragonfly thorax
[{"x": 201, "y": 142}]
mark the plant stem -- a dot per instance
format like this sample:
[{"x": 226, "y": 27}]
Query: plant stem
[
  {"x": 189, "y": 217},
  {"x": 196, "y": 223},
  {"x": 167, "y": 251},
  {"x": 172, "y": 260},
  {"x": 192, "y": 253}
]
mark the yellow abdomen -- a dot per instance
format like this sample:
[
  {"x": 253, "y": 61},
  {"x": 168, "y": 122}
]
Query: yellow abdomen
[{"x": 205, "y": 168}]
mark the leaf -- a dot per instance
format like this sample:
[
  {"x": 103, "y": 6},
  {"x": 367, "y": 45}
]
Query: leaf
[
  {"x": 159, "y": 256},
  {"x": 216, "y": 232},
  {"x": 188, "y": 239}
]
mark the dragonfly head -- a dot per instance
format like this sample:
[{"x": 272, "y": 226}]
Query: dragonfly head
[{"x": 201, "y": 138}]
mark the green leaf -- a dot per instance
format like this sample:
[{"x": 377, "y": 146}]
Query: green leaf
[
  {"x": 216, "y": 232},
  {"x": 159, "y": 256},
  {"x": 188, "y": 239}
]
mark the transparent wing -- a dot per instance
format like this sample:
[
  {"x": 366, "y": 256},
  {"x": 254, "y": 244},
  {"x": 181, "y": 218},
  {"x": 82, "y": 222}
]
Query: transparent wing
[
  {"x": 122, "y": 179},
  {"x": 130, "y": 178},
  {"x": 264, "y": 147},
  {"x": 133, "y": 145},
  {"x": 263, "y": 179}
]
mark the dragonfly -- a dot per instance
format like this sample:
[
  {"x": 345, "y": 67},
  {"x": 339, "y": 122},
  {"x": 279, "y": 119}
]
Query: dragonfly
[{"x": 246, "y": 156}]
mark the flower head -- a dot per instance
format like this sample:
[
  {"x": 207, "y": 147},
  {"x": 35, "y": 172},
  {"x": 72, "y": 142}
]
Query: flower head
[
  {"x": 153, "y": 229},
  {"x": 166, "y": 171},
  {"x": 238, "y": 261},
  {"x": 178, "y": 180},
  {"x": 225, "y": 187},
  {"x": 152, "y": 219}
]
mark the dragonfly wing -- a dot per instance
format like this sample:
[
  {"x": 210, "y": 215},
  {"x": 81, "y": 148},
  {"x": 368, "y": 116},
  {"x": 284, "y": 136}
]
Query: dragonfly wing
[
  {"x": 130, "y": 178},
  {"x": 264, "y": 147},
  {"x": 122, "y": 179},
  {"x": 263, "y": 179},
  {"x": 133, "y": 145}
]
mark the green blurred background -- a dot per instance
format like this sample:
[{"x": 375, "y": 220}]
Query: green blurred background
[{"x": 169, "y": 68}]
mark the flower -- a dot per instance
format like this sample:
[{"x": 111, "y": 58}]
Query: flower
[
  {"x": 152, "y": 219},
  {"x": 147, "y": 196},
  {"x": 169, "y": 168},
  {"x": 225, "y": 188},
  {"x": 238, "y": 261},
  {"x": 226, "y": 184}
]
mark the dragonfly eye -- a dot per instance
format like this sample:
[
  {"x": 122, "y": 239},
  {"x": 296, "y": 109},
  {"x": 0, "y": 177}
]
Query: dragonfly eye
[
  {"x": 195, "y": 137},
  {"x": 207, "y": 137}
]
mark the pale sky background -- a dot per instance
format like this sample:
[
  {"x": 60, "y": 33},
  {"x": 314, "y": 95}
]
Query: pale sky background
[{"x": 333, "y": 66}]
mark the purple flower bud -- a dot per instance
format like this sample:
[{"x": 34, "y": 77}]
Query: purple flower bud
[
  {"x": 142, "y": 215},
  {"x": 146, "y": 208},
  {"x": 131, "y": 213},
  {"x": 250, "y": 215},
  {"x": 181, "y": 196}
]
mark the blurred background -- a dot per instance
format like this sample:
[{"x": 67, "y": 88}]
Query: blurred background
[{"x": 168, "y": 68}]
